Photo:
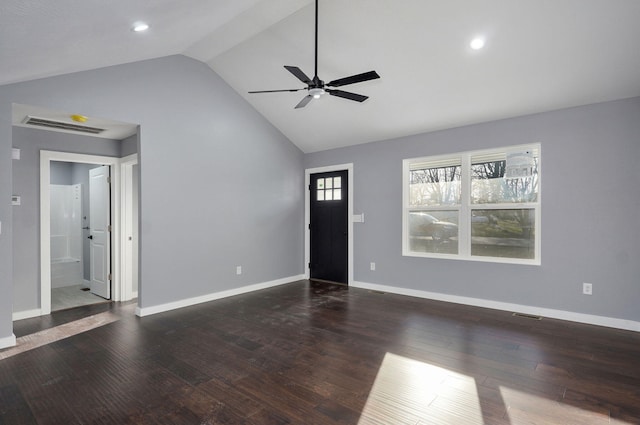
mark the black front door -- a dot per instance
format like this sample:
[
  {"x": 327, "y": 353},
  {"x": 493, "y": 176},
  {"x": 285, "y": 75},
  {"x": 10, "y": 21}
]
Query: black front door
[{"x": 329, "y": 226}]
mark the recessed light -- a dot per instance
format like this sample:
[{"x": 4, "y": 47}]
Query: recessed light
[
  {"x": 140, "y": 26},
  {"x": 477, "y": 43}
]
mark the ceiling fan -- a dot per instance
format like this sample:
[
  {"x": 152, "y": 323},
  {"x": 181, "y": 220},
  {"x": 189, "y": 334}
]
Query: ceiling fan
[{"x": 316, "y": 87}]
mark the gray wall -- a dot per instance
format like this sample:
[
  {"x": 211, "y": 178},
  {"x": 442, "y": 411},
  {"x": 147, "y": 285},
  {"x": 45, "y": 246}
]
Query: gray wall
[
  {"x": 26, "y": 217},
  {"x": 590, "y": 205},
  {"x": 219, "y": 185},
  {"x": 61, "y": 172},
  {"x": 129, "y": 146}
]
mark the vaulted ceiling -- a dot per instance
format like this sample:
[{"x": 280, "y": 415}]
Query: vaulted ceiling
[{"x": 539, "y": 55}]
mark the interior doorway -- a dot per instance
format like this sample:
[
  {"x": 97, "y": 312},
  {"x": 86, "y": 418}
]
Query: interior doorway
[
  {"x": 79, "y": 217},
  {"x": 115, "y": 237}
]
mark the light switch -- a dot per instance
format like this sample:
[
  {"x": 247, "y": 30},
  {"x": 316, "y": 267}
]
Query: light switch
[
  {"x": 15, "y": 200},
  {"x": 15, "y": 153},
  {"x": 358, "y": 218}
]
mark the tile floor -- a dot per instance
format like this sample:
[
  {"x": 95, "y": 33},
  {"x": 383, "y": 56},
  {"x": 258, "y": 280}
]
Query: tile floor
[{"x": 72, "y": 296}]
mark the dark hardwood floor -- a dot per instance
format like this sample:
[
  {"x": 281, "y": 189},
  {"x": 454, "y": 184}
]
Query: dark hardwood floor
[{"x": 316, "y": 353}]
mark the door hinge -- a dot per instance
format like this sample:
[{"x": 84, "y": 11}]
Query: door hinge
[
  {"x": 109, "y": 180},
  {"x": 108, "y": 228},
  {"x": 309, "y": 225},
  {"x": 109, "y": 276},
  {"x": 309, "y": 265},
  {"x": 309, "y": 187}
]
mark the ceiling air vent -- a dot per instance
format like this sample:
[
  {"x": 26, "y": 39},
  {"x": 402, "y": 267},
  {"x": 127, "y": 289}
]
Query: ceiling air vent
[{"x": 60, "y": 125}]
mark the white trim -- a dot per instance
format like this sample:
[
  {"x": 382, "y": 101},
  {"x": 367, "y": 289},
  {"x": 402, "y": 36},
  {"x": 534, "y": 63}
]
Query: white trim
[
  {"x": 147, "y": 311},
  {"x": 610, "y": 322},
  {"x": 7, "y": 342},
  {"x": 307, "y": 212},
  {"x": 45, "y": 224},
  {"x": 126, "y": 170},
  {"x": 26, "y": 314}
]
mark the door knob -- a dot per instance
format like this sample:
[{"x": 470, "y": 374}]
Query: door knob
[{"x": 90, "y": 237}]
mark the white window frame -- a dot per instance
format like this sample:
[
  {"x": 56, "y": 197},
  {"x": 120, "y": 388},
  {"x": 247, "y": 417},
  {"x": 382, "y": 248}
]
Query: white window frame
[{"x": 465, "y": 207}]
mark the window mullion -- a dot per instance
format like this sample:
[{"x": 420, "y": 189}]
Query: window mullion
[{"x": 505, "y": 206}]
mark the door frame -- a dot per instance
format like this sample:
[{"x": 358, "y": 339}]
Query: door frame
[
  {"x": 117, "y": 291},
  {"x": 307, "y": 215},
  {"x": 126, "y": 174}
]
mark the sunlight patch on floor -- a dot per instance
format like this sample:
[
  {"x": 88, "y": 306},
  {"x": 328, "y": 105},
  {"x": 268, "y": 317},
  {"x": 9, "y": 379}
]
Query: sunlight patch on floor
[
  {"x": 47, "y": 336},
  {"x": 529, "y": 408},
  {"x": 408, "y": 391}
]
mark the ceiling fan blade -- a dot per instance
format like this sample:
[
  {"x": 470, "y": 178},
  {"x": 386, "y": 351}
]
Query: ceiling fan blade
[
  {"x": 347, "y": 95},
  {"x": 304, "y": 102},
  {"x": 274, "y": 91},
  {"x": 299, "y": 74},
  {"x": 365, "y": 76}
]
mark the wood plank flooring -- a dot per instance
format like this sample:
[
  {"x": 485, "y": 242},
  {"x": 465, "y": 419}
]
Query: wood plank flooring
[{"x": 316, "y": 353}]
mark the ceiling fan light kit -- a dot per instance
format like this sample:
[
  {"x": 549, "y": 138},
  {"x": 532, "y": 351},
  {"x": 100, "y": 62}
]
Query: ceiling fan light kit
[{"x": 316, "y": 87}]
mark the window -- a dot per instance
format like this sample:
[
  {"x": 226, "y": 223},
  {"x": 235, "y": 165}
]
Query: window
[
  {"x": 329, "y": 189},
  {"x": 481, "y": 205}
]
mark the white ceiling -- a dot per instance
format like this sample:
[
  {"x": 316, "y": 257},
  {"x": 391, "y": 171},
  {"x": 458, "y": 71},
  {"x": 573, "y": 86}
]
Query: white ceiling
[{"x": 540, "y": 55}]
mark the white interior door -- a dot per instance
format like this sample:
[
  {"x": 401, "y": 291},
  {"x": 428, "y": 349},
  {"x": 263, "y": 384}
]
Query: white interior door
[{"x": 100, "y": 249}]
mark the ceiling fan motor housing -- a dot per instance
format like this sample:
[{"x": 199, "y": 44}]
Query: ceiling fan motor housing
[{"x": 316, "y": 92}]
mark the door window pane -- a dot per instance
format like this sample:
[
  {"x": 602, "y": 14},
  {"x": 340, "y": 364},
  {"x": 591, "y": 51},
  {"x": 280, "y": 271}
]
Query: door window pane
[
  {"x": 503, "y": 233},
  {"x": 328, "y": 183},
  {"x": 433, "y": 231},
  {"x": 329, "y": 189}
]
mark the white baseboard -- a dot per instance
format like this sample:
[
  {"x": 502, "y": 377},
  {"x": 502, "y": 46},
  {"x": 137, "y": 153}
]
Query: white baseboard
[
  {"x": 7, "y": 342},
  {"x": 147, "y": 311},
  {"x": 26, "y": 314},
  {"x": 609, "y": 322}
]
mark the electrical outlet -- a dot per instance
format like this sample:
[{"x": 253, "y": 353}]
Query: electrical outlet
[
  {"x": 587, "y": 289},
  {"x": 373, "y": 266},
  {"x": 239, "y": 270}
]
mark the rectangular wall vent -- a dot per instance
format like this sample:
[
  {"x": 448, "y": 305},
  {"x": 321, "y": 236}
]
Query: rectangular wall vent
[{"x": 42, "y": 122}]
